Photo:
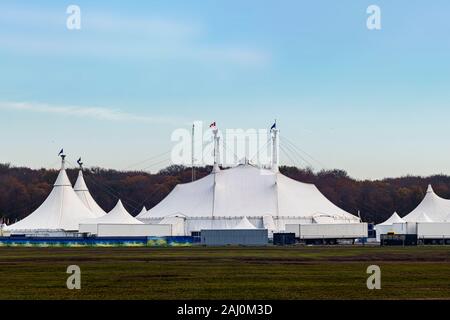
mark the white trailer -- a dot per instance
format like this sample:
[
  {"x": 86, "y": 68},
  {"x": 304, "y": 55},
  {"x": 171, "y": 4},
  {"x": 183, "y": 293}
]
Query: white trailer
[
  {"x": 127, "y": 230},
  {"x": 433, "y": 230},
  {"x": 328, "y": 231}
]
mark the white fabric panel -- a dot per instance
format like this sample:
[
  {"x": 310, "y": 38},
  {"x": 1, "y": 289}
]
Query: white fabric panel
[
  {"x": 192, "y": 199},
  {"x": 177, "y": 223},
  {"x": 305, "y": 200},
  {"x": 245, "y": 191}
]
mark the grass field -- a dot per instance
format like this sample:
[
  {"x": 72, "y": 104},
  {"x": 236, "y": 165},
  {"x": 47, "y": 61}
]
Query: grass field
[{"x": 225, "y": 273}]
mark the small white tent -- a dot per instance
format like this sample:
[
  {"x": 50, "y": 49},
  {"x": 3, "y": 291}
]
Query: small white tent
[
  {"x": 388, "y": 225},
  {"x": 85, "y": 196},
  {"x": 61, "y": 211},
  {"x": 244, "y": 224},
  {"x": 117, "y": 222},
  {"x": 118, "y": 215},
  {"x": 435, "y": 207}
]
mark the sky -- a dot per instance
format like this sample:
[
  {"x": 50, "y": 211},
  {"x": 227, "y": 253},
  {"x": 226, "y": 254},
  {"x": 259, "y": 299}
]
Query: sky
[{"x": 372, "y": 102}]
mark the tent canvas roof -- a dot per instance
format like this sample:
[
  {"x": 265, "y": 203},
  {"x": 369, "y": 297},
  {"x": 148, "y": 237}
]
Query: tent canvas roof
[
  {"x": 246, "y": 191},
  {"x": 85, "y": 196},
  {"x": 118, "y": 215},
  {"x": 436, "y": 208},
  {"x": 395, "y": 218}
]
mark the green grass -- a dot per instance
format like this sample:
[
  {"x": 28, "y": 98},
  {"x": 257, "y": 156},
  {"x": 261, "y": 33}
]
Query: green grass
[{"x": 225, "y": 273}]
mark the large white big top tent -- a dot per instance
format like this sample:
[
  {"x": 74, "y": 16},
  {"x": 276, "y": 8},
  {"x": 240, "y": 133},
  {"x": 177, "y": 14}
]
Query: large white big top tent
[
  {"x": 266, "y": 197},
  {"x": 61, "y": 211}
]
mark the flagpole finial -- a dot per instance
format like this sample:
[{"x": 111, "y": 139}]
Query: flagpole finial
[
  {"x": 63, "y": 158},
  {"x": 80, "y": 163}
]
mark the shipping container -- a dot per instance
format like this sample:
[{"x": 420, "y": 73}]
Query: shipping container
[
  {"x": 250, "y": 237},
  {"x": 328, "y": 231},
  {"x": 433, "y": 230},
  {"x": 283, "y": 239}
]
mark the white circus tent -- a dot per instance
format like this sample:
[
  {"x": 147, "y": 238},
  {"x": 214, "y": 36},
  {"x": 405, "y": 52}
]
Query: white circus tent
[
  {"x": 388, "y": 225},
  {"x": 244, "y": 224},
  {"x": 61, "y": 211},
  {"x": 118, "y": 215},
  {"x": 85, "y": 196},
  {"x": 435, "y": 208},
  {"x": 264, "y": 196}
]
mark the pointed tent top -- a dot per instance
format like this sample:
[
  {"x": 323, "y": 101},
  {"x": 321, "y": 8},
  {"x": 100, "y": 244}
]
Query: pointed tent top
[
  {"x": 395, "y": 218},
  {"x": 118, "y": 215},
  {"x": 244, "y": 224},
  {"x": 144, "y": 210},
  {"x": 118, "y": 207},
  {"x": 80, "y": 185},
  {"x": 62, "y": 180},
  {"x": 430, "y": 189}
]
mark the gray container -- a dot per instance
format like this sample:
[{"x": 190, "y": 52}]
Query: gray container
[{"x": 224, "y": 237}]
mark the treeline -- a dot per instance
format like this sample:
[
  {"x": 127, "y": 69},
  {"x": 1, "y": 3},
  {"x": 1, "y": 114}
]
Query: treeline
[{"x": 22, "y": 190}]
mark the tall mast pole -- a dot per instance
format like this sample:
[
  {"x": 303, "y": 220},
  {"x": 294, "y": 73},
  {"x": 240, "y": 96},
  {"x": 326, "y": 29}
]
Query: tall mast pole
[
  {"x": 275, "y": 149},
  {"x": 192, "y": 152}
]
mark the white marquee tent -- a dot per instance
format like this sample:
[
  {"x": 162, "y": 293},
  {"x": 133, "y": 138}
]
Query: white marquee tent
[
  {"x": 61, "y": 211},
  {"x": 437, "y": 209},
  {"x": 388, "y": 225},
  {"x": 244, "y": 224},
  {"x": 118, "y": 215},
  {"x": 266, "y": 197},
  {"x": 85, "y": 196}
]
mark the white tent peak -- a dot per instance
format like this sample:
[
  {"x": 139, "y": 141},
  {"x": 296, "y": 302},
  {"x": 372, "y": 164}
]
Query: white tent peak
[
  {"x": 144, "y": 210},
  {"x": 118, "y": 215},
  {"x": 62, "y": 180},
  {"x": 430, "y": 189},
  {"x": 395, "y": 218},
  {"x": 244, "y": 224},
  {"x": 80, "y": 185},
  {"x": 85, "y": 196}
]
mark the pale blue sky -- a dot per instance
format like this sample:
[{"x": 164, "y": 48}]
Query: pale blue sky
[{"x": 374, "y": 103}]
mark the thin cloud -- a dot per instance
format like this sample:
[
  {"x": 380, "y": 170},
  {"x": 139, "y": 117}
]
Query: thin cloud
[
  {"x": 103, "y": 35},
  {"x": 99, "y": 113}
]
